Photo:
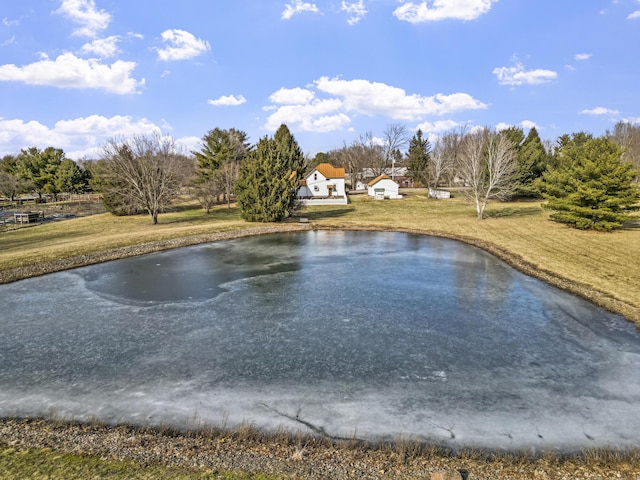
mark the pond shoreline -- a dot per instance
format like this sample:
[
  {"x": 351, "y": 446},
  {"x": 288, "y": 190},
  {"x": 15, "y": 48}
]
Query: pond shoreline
[
  {"x": 593, "y": 295},
  {"x": 296, "y": 454}
]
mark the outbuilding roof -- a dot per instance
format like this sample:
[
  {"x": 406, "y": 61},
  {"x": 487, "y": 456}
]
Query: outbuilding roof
[
  {"x": 329, "y": 171},
  {"x": 377, "y": 179}
]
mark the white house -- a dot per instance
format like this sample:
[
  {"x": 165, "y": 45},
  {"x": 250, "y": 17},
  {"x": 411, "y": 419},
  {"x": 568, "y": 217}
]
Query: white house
[
  {"x": 383, "y": 187},
  {"x": 325, "y": 184}
]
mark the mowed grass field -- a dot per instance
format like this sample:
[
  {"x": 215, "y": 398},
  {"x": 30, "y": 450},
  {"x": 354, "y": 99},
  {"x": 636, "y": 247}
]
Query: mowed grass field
[{"x": 604, "y": 267}]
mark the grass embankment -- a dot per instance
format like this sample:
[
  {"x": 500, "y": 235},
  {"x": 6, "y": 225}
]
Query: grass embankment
[
  {"x": 604, "y": 267},
  {"x": 48, "y": 464}
]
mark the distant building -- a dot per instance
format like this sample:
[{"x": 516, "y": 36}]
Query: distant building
[
  {"x": 325, "y": 184},
  {"x": 433, "y": 193},
  {"x": 383, "y": 187}
]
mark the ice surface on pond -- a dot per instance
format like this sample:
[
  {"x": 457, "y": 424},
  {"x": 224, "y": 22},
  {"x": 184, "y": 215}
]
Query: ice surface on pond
[{"x": 348, "y": 333}]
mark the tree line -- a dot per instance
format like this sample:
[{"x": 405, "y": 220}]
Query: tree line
[
  {"x": 587, "y": 182},
  {"x": 41, "y": 172}
]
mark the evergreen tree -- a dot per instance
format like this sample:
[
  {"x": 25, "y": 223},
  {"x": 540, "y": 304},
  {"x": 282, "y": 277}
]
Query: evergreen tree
[
  {"x": 269, "y": 178},
  {"x": 532, "y": 162},
  {"x": 217, "y": 165},
  {"x": 39, "y": 168},
  {"x": 515, "y": 135},
  {"x": 71, "y": 177},
  {"x": 591, "y": 187},
  {"x": 217, "y": 148},
  {"x": 418, "y": 159}
]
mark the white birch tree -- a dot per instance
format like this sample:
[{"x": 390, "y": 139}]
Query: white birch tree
[{"x": 488, "y": 165}]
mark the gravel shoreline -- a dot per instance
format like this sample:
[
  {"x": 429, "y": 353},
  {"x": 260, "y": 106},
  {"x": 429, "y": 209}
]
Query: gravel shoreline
[{"x": 301, "y": 456}]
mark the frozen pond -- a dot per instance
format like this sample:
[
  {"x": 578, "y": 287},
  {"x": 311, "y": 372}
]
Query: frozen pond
[{"x": 345, "y": 333}]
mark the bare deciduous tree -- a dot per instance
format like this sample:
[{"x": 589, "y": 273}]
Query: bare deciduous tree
[
  {"x": 364, "y": 157},
  {"x": 144, "y": 170},
  {"x": 440, "y": 164},
  {"x": 395, "y": 137},
  {"x": 627, "y": 135},
  {"x": 452, "y": 145},
  {"x": 488, "y": 165},
  {"x": 207, "y": 192},
  {"x": 226, "y": 177},
  {"x": 372, "y": 154}
]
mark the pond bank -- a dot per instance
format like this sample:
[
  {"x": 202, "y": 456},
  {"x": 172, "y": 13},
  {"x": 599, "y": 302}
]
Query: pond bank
[
  {"x": 301, "y": 457},
  {"x": 603, "y": 299},
  {"x": 295, "y": 455}
]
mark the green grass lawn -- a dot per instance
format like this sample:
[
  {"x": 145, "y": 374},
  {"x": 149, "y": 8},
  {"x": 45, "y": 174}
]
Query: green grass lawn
[{"x": 46, "y": 464}]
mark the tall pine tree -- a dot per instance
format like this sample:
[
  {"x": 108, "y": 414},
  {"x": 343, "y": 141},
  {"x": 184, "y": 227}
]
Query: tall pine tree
[
  {"x": 532, "y": 162},
  {"x": 269, "y": 178},
  {"x": 418, "y": 159},
  {"x": 591, "y": 187}
]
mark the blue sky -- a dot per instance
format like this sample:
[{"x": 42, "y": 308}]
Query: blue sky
[{"x": 74, "y": 73}]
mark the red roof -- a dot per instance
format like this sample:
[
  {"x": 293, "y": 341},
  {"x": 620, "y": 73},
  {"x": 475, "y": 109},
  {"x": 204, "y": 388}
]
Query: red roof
[{"x": 329, "y": 171}]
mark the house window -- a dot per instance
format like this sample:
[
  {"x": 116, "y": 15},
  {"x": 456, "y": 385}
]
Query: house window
[
  {"x": 316, "y": 188},
  {"x": 315, "y": 176}
]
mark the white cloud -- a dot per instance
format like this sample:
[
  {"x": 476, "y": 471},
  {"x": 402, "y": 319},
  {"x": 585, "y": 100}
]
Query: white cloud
[
  {"x": 10, "y": 23},
  {"x": 296, "y": 7},
  {"x": 189, "y": 144},
  {"x": 80, "y": 137},
  {"x": 439, "y": 126},
  {"x": 118, "y": 125},
  {"x": 228, "y": 100},
  {"x": 103, "y": 47},
  {"x": 528, "y": 124},
  {"x": 517, "y": 75},
  {"x": 69, "y": 71},
  {"x": 600, "y": 111},
  {"x": 85, "y": 13},
  {"x": 634, "y": 15},
  {"x": 582, "y": 56},
  {"x": 317, "y": 116},
  {"x": 525, "y": 124},
  {"x": 301, "y": 108},
  {"x": 18, "y": 134},
  {"x": 436, "y": 10},
  {"x": 292, "y": 96},
  {"x": 181, "y": 46},
  {"x": 374, "y": 98},
  {"x": 355, "y": 10},
  {"x": 9, "y": 41}
]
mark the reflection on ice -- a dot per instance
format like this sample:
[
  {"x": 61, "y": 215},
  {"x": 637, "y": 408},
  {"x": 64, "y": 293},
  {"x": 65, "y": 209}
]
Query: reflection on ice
[{"x": 374, "y": 334}]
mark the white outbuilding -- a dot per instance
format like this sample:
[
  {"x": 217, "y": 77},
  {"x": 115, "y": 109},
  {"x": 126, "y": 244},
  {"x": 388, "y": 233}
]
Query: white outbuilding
[{"x": 383, "y": 187}]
